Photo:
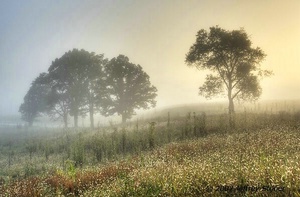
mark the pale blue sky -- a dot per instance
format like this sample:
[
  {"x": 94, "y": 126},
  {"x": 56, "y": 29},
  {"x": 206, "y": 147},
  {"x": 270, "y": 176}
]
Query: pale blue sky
[{"x": 155, "y": 34}]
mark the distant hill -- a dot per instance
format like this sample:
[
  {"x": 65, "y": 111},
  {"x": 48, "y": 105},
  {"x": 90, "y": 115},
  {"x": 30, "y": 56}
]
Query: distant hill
[{"x": 264, "y": 106}]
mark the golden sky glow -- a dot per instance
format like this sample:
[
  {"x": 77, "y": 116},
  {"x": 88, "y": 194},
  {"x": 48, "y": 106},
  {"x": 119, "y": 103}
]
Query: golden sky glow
[{"x": 155, "y": 34}]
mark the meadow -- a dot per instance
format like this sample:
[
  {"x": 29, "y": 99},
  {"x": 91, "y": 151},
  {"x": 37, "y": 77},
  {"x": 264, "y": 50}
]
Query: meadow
[{"x": 187, "y": 154}]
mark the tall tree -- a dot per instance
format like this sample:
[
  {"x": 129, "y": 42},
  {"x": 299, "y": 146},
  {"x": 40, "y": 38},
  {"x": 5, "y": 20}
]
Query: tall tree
[
  {"x": 234, "y": 62},
  {"x": 74, "y": 79},
  {"x": 35, "y": 100},
  {"x": 95, "y": 86},
  {"x": 58, "y": 103},
  {"x": 128, "y": 88}
]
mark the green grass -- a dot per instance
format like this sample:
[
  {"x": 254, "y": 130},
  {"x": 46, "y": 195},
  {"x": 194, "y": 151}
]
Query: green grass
[
  {"x": 185, "y": 157},
  {"x": 258, "y": 163},
  {"x": 262, "y": 162}
]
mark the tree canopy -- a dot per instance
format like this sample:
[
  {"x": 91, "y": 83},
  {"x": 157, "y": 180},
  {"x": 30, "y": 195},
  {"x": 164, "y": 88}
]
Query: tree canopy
[
  {"x": 81, "y": 82},
  {"x": 128, "y": 88},
  {"x": 235, "y": 65},
  {"x": 73, "y": 79},
  {"x": 35, "y": 100}
]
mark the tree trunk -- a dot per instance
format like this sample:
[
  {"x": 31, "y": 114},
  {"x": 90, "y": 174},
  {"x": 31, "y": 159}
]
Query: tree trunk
[
  {"x": 66, "y": 120},
  {"x": 231, "y": 113},
  {"x": 92, "y": 115},
  {"x": 76, "y": 119},
  {"x": 231, "y": 106},
  {"x": 123, "y": 118}
]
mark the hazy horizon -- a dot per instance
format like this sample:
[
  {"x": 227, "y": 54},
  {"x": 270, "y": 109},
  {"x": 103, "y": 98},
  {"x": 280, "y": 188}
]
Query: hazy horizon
[{"x": 155, "y": 34}]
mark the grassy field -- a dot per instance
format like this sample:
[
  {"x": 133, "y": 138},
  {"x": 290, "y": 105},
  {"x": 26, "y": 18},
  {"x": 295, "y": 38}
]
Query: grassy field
[{"x": 191, "y": 155}]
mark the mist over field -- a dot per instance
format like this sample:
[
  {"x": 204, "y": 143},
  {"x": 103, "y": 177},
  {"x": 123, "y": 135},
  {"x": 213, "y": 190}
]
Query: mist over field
[
  {"x": 154, "y": 34},
  {"x": 149, "y": 98}
]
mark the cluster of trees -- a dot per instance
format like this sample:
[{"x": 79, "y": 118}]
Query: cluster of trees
[{"x": 82, "y": 82}]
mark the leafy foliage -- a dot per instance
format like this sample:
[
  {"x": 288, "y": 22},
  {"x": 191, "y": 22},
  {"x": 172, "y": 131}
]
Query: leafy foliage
[
  {"x": 73, "y": 78},
  {"x": 230, "y": 55},
  {"x": 35, "y": 100},
  {"x": 128, "y": 88},
  {"x": 80, "y": 82},
  {"x": 211, "y": 87}
]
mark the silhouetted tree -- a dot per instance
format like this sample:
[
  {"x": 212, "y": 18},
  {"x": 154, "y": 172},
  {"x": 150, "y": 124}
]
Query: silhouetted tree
[
  {"x": 73, "y": 79},
  {"x": 35, "y": 101},
  {"x": 127, "y": 88},
  {"x": 95, "y": 86},
  {"x": 58, "y": 104},
  {"x": 230, "y": 56}
]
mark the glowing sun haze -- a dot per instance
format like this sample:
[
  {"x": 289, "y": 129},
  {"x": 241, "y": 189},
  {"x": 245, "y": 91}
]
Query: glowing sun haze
[{"x": 155, "y": 34}]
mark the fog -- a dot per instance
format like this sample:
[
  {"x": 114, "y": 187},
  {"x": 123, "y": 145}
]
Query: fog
[{"x": 155, "y": 34}]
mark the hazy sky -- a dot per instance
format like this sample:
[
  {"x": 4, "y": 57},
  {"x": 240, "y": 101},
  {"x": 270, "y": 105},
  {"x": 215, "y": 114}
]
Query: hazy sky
[{"x": 153, "y": 33}]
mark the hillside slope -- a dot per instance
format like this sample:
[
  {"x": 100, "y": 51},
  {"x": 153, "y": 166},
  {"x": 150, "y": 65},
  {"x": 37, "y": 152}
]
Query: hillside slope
[{"x": 261, "y": 162}]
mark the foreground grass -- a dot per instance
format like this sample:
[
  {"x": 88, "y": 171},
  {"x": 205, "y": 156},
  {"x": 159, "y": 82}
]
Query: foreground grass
[{"x": 257, "y": 163}]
